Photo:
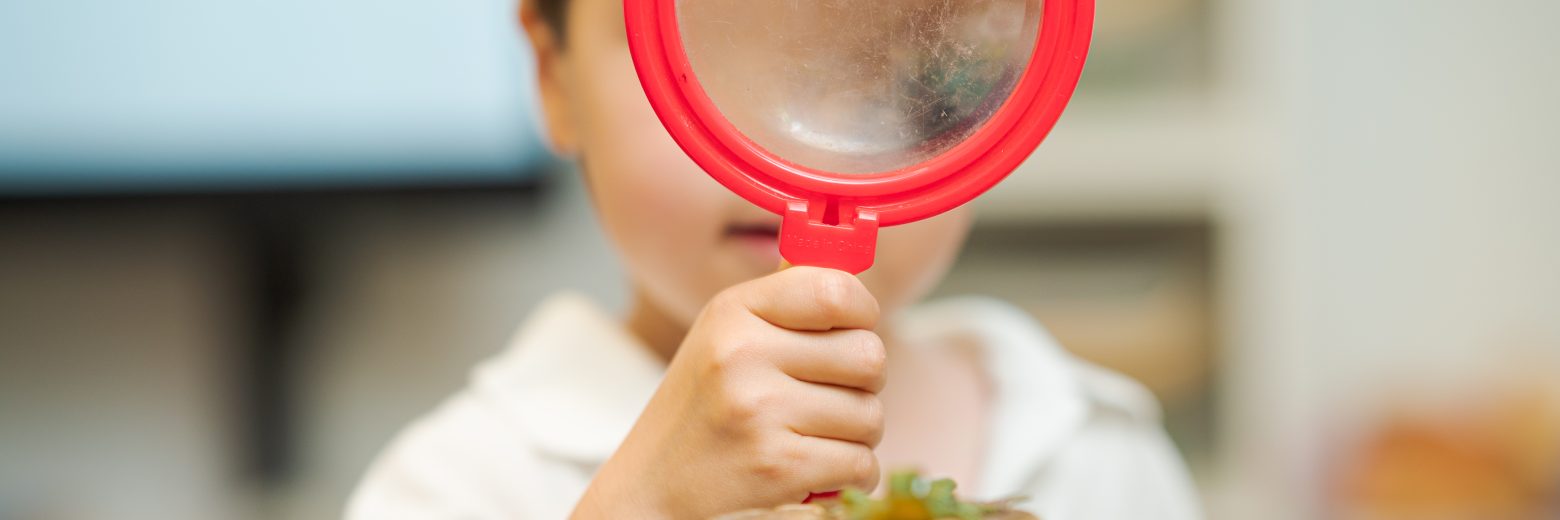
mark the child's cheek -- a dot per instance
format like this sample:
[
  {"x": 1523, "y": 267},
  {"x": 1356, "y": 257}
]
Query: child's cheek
[
  {"x": 913, "y": 258},
  {"x": 628, "y": 134},
  {"x": 659, "y": 205}
]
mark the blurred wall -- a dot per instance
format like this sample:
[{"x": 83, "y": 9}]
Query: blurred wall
[
  {"x": 1392, "y": 221},
  {"x": 111, "y": 393},
  {"x": 124, "y": 326}
]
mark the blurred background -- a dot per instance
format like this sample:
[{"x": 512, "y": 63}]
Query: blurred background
[{"x": 242, "y": 243}]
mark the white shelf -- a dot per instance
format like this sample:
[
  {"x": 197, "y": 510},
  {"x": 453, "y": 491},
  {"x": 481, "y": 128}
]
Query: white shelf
[{"x": 1120, "y": 160}]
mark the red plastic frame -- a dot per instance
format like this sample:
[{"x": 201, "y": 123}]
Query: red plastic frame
[{"x": 832, "y": 220}]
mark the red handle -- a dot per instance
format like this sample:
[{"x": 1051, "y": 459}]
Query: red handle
[
  {"x": 828, "y": 235},
  {"x": 826, "y": 495}
]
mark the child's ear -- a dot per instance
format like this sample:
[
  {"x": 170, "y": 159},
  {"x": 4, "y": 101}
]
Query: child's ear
[{"x": 551, "y": 78}]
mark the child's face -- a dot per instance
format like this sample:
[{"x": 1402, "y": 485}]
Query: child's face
[{"x": 682, "y": 235}]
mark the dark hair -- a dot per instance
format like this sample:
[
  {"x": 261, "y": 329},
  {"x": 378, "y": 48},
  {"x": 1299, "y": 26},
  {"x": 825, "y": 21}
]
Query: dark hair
[{"x": 555, "y": 13}]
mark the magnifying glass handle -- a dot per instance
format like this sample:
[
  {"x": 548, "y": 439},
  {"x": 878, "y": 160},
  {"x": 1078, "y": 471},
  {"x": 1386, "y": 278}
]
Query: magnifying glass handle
[
  {"x": 828, "y": 236},
  {"x": 810, "y": 497},
  {"x": 826, "y": 495}
]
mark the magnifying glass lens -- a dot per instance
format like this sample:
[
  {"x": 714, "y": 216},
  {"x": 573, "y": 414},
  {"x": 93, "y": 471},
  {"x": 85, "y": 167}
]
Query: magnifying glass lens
[{"x": 858, "y": 87}]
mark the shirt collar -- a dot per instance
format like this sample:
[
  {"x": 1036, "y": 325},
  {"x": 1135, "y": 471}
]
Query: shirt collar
[
  {"x": 573, "y": 380},
  {"x": 1037, "y": 402}
]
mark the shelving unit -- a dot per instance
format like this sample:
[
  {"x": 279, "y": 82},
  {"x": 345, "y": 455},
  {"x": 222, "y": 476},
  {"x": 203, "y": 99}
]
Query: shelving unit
[{"x": 1117, "y": 163}]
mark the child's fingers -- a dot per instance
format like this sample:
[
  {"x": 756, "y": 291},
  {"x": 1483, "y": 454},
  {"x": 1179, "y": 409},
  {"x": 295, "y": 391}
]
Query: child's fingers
[
  {"x": 832, "y": 412},
  {"x": 852, "y": 358},
  {"x": 825, "y": 465},
  {"x": 811, "y": 298}
]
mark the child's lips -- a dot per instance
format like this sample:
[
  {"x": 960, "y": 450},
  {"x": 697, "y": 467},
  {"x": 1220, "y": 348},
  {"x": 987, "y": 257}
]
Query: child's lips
[
  {"x": 752, "y": 230},
  {"x": 760, "y": 241}
]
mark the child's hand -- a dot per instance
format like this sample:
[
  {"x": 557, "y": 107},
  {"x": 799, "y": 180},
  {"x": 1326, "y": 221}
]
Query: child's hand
[{"x": 772, "y": 395}]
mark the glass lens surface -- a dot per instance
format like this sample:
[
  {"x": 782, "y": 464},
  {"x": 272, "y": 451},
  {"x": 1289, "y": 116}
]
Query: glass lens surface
[{"x": 858, "y": 86}]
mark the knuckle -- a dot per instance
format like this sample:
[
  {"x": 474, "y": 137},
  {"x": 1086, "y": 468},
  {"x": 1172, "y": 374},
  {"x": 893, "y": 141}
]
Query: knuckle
[
  {"x": 776, "y": 463},
  {"x": 872, "y": 354},
  {"x": 723, "y": 301},
  {"x": 721, "y": 358},
  {"x": 864, "y": 358},
  {"x": 743, "y": 408},
  {"x": 873, "y": 417},
  {"x": 770, "y": 469},
  {"x": 832, "y": 292},
  {"x": 863, "y": 468},
  {"x": 729, "y": 355}
]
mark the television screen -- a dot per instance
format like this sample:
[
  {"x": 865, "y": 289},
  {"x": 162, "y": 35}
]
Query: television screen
[{"x": 104, "y": 96}]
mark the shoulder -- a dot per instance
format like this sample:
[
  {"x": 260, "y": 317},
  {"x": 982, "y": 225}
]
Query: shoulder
[
  {"x": 1119, "y": 463},
  {"x": 446, "y": 465},
  {"x": 521, "y": 439},
  {"x": 1110, "y": 392}
]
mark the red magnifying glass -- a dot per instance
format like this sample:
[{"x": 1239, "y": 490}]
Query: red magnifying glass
[{"x": 845, "y": 116}]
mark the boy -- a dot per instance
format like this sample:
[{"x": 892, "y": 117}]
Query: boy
[{"x": 729, "y": 385}]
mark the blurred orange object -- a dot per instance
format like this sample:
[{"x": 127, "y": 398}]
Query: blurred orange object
[{"x": 1501, "y": 462}]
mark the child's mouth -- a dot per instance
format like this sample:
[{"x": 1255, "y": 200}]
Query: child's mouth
[
  {"x": 759, "y": 240},
  {"x": 755, "y": 231}
]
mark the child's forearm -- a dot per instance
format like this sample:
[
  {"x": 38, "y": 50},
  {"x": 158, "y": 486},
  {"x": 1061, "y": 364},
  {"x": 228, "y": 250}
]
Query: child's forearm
[{"x": 611, "y": 496}]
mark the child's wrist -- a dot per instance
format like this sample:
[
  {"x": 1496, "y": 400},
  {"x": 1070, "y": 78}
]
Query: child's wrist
[{"x": 610, "y": 497}]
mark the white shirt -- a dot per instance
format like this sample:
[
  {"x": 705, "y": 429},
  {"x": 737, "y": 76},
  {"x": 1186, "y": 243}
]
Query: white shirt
[{"x": 524, "y": 438}]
